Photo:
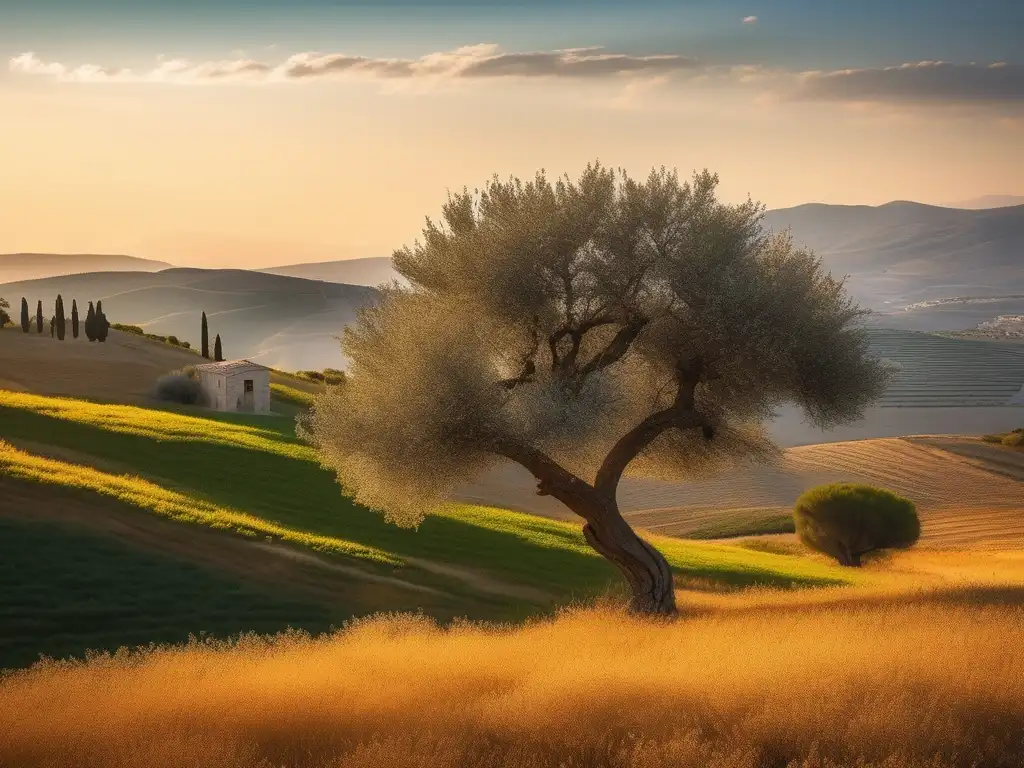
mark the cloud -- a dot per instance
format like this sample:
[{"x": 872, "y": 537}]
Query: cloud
[
  {"x": 750, "y": 19},
  {"x": 166, "y": 71},
  {"x": 921, "y": 82},
  {"x": 470, "y": 62}
]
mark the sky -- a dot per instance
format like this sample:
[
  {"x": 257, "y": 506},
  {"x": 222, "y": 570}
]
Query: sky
[{"x": 252, "y": 133}]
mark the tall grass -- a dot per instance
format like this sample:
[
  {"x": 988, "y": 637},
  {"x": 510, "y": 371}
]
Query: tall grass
[{"x": 886, "y": 683}]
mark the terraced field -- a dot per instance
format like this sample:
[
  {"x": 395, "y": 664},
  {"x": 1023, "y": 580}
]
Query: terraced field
[
  {"x": 968, "y": 492},
  {"x": 940, "y": 371}
]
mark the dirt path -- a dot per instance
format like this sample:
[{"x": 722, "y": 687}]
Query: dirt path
[{"x": 480, "y": 580}]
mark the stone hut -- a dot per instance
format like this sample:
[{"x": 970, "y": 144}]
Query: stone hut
[{"x": 236, "y": 385}]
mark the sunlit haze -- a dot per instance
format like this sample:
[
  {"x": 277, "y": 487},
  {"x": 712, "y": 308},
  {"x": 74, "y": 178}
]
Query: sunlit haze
[{"x": 253, "y": 134}]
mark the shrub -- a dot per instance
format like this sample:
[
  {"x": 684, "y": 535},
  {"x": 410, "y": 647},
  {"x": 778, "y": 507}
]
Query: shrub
[
  {"x": 133, "y": 329},
  {"x": 1014, "y": 438},
  {"x": 847, "y": 521},
  {"x": 331, "y": 376},
  {"x": 178, "y": 387},
  {"x": 4, "y": 317}
]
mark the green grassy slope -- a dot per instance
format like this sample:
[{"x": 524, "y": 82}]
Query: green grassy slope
[
  {"x": 66, "y": 591},
  {"x": 252, "y": 474}
]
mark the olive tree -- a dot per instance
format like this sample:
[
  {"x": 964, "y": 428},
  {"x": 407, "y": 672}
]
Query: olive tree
[{"x": 587, "y": 330}]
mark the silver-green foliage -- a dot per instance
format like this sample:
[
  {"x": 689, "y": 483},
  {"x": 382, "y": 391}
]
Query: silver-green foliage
[{"x": 549, "y": 319}]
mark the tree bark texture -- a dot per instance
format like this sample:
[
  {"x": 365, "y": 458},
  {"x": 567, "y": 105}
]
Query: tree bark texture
[{"x": 645, "y": 569}]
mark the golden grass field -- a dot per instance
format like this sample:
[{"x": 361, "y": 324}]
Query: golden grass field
[
  {"x": 916, "y": 662},
  {"x": 924, "y": 669}
]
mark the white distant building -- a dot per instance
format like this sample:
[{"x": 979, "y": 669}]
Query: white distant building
[{"x": 236, "y": 385}]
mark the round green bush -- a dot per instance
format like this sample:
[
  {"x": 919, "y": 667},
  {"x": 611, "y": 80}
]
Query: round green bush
[{"x": 847, "y": 521}]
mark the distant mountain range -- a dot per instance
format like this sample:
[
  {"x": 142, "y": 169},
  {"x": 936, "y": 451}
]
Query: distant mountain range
[
  {"x": 371, "y": 271},
  {"x": 919, "y": 267},
  {"x": 284, "y": 322},
  {"x": 904, "y": 253},
  {"x": 30, "y": 266},
  {"x": 988, "y": 201}
]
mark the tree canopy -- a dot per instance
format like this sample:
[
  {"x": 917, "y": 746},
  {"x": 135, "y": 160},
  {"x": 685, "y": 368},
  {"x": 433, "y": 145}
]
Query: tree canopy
[{"x": 588, "y": 330}]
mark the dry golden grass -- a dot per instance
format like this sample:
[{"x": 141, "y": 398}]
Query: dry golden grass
[
  {"x": 122, "y": 369},
  {"x": 924, "y": 671}
]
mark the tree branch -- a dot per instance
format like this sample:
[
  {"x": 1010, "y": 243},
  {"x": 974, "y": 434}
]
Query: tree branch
[
  {"x": 553, "y": 479},
  {"x": 616, "y": 348},
  {"x": 529, "y": 364},
  {"x": 681, "y": 414}
]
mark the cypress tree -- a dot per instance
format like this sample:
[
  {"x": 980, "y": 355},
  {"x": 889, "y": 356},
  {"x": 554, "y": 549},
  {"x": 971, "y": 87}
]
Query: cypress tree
[
  {"x": 218, "y": 352},
  {"x": 53, "y": 325},
  {"x": 90, "y": 323},
  {"x": 102, "y": 326},
  {"x": 26, "y": 323},
  {"x": 206, "y": 338},
  {"x": 39, "y": 316},
  {"x": 61, "y": 322},
  {"x": 74, "y": 318}
]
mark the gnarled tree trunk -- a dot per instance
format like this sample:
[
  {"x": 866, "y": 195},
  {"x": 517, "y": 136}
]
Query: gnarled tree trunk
[{"x": 645, "y": 568}]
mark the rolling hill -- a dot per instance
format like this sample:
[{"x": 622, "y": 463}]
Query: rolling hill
[
  {"x": 282, "y": 322},
  {"x": 905, "y": 254},
  {"x": 968, "y": 493},
  {"x": 372, "y": 271},
  {"x": 241, "y": 497},
  {"x": 17, "y": 267},
  {"x": 122, "y": 370},
  {"x": 988, "y": 201}
]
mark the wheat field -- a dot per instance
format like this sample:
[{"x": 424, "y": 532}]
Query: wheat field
[{"x": 922, "y": 670}]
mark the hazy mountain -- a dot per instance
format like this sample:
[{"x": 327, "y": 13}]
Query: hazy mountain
[
  {"x": 218, "y": 250},
  {"x": 370, "y": 271},
  {"x": 30, "y": 266},
  {"x": 988, "y": 201},
  {"x": 284, "y": 322},
  {"x": 905, "y": 254}
]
